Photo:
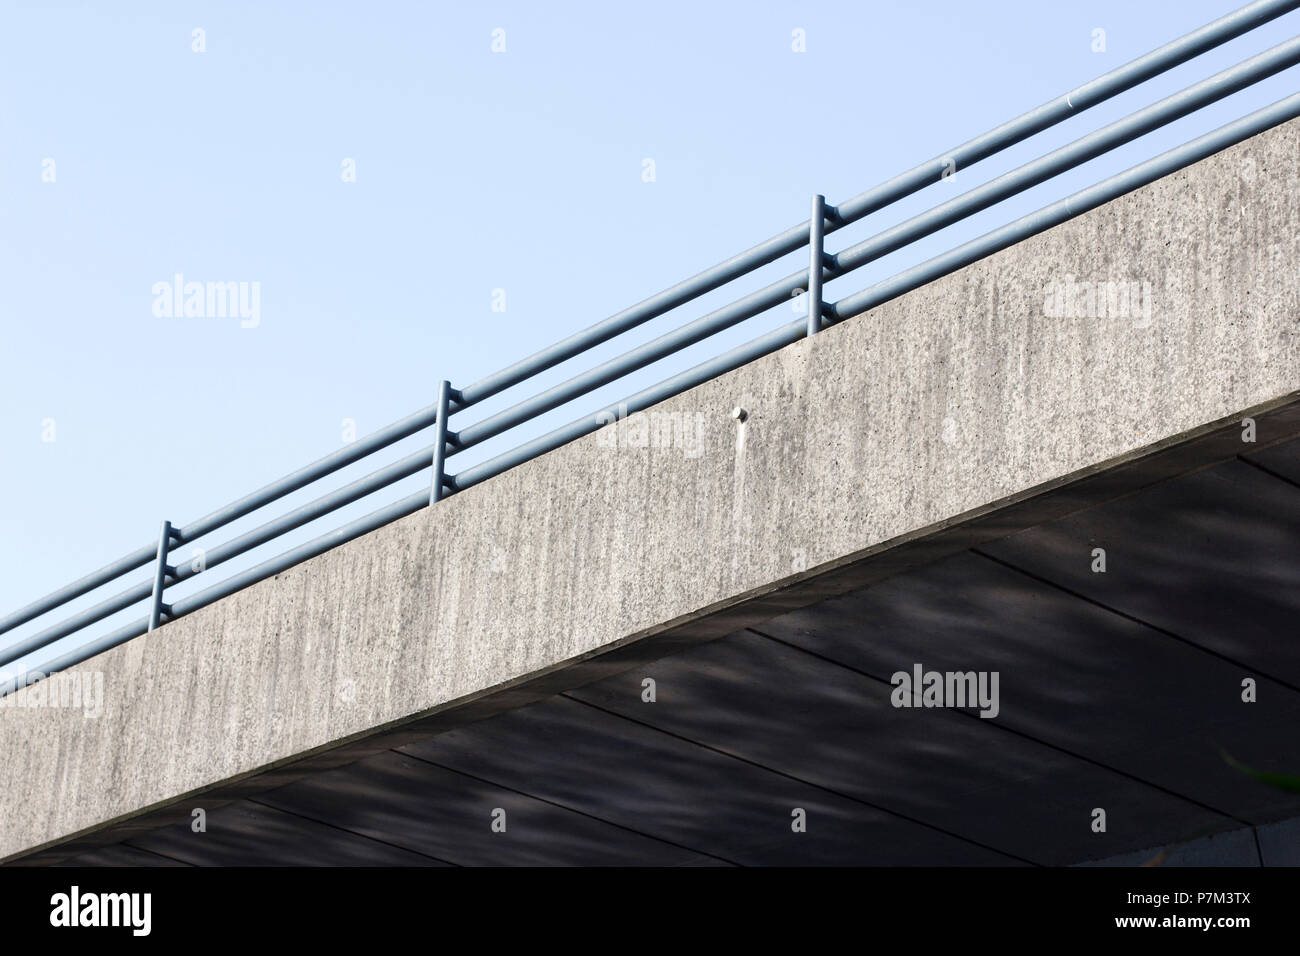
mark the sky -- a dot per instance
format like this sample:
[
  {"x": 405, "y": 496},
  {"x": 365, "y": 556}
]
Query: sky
[{"x": 389, "y": 175}]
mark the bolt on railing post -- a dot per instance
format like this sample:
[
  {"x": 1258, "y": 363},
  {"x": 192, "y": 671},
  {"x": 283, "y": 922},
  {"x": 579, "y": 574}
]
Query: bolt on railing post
[
  {"x": 816, "y": 242},
  {"x": 157, "y": 608},
  {"x": 440, "y": 441}
]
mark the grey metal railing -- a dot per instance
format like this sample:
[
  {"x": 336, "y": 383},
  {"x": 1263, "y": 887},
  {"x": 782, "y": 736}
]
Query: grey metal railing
[{"x": 825, "y": 219}]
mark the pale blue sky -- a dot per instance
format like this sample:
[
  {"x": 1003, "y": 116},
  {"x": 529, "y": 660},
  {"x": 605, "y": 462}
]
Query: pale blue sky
[{"x": 476, "y": 170}]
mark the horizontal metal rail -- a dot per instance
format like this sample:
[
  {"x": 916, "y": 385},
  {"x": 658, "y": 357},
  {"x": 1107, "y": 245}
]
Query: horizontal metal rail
[
  {"x": 1071, "y": 206},
  {"x": 1031, "y": 174},
  {"x": 824, "y": 221},
  {"x": 1111, "y": 84},
  {"x": 231, "y": 512},
  {"x": 353, "y": 491},
  {"x": 904, "y": 282},
  {"x": 1123, "y": 131},
  {"x": 354, "y": 529}
]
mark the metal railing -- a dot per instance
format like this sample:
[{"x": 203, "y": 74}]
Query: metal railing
[{"x": 825, "y": 219}]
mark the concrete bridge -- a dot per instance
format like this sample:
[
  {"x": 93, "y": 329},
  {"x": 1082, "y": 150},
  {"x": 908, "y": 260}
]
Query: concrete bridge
[{"x": 1072, "y": 468}]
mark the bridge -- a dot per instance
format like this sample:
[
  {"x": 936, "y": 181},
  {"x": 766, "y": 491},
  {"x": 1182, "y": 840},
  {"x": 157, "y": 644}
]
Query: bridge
[{"x": 991, "y": 563}]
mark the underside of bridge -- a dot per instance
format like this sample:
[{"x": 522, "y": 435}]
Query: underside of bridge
[{"x": 613, "y": 655}]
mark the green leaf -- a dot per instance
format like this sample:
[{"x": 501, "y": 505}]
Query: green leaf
[{"x": 1283, "y": 781}]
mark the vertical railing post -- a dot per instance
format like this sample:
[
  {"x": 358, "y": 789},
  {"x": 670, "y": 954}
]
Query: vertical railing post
[
  {"x": 816, "y": 242},
  {"x": 157, "y": 608},
  {"x": 440, "y": 442}
]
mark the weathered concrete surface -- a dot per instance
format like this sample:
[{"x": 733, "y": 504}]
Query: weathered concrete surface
[
  {"x": 956, "y": 414},
  {"x": 1277, "y": 844}
]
